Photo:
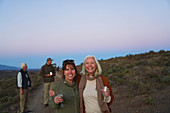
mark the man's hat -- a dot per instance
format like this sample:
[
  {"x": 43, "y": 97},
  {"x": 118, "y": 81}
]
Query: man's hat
[{"x": 48, "y": 59}]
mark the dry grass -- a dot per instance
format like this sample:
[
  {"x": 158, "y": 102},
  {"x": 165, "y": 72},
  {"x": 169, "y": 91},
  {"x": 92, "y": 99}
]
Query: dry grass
[{"x": 9, "y": 94}]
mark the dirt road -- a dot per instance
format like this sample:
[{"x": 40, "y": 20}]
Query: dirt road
[{"x": 36, "y": 99}]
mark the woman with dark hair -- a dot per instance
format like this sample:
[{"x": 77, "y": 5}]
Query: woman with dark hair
[{"x": 65, "y": 97}]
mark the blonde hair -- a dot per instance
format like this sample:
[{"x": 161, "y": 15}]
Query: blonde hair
[{"x": 98, "y": 69}]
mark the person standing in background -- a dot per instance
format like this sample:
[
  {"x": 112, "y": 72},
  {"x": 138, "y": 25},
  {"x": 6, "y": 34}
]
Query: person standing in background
[
  {"x": 47, "y": 72},
  {"x": 23, "y": 82}
]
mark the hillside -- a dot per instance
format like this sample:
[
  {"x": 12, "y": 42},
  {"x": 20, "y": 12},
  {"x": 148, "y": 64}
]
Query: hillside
[
  {"x": 139, "y": 71},
  {"x": 7, "y": 73},
  {"x": 5, "y": 67},
  {"x": 141, "y": 82}
]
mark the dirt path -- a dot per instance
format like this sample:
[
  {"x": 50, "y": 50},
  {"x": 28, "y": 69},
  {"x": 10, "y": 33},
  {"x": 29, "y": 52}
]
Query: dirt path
[{"x": 36, "y": 99}]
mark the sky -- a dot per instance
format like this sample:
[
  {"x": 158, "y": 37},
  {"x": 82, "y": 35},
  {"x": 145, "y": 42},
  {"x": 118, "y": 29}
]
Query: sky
[{"x": 33, "y": 30}]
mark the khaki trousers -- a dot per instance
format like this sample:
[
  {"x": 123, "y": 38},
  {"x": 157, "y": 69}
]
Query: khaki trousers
[
  {"x": 47, "y": 87},
  {"x": 23, "y": 100}
]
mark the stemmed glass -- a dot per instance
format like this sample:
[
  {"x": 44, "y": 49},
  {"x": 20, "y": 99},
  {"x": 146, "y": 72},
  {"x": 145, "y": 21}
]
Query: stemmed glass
[
  {"x": 51, "y": 73},
  {"x": 60, "y": 94},
  {"x": 104, "y": 89}
]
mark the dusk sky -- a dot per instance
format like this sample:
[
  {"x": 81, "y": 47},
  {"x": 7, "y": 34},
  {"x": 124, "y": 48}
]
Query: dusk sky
[{"x": 32, "y": 30}]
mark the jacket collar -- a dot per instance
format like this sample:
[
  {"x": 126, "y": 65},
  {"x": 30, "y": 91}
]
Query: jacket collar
[{"x": 65, "y": 82}]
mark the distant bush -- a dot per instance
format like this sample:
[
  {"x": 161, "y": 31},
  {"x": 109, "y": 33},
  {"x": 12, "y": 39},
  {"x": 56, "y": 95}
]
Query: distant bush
[
  {"x": 142, "y": 73},
  {"x": 161, "y": 51}
]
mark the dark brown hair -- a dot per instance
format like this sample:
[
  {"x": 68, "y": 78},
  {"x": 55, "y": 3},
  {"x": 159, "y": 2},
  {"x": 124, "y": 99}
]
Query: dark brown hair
[{"x": 68, "y": 62}]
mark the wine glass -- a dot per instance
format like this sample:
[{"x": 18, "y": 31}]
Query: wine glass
[
  {"x": 104, "y": 89},
  {"x": 61, "y": 103},
  {"x": 51, "y": 73}
]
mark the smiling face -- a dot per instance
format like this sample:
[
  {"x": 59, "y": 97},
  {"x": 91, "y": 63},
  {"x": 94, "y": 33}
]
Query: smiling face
[
  {"x": 69, "y": 73},
  {"x": 90, "y": 66}
]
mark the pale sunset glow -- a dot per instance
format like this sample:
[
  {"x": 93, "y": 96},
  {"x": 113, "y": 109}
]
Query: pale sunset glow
[{"x": 32, "y": 30}]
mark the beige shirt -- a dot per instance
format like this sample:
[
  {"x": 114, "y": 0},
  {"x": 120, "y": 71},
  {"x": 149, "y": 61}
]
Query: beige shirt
[{"x": 90, "y": 98}]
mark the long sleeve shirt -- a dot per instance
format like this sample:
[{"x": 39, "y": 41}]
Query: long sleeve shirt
[{"x": 19, "y": 77}]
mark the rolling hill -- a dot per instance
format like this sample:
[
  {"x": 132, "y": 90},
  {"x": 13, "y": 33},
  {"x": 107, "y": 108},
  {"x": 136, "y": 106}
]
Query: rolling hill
[{"x": 5, "y": 67}]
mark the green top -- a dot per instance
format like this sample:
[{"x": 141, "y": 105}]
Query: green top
[{"x": 70, "y": 97}]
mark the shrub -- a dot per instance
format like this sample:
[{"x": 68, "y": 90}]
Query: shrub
[
  {"x": 109, "y": 71},
  {"x": 165, "y": 71},
  {"x": 162, "y": 51},
  {"x": 149, "y": 101},
  {"x": 166, "y": 79}
]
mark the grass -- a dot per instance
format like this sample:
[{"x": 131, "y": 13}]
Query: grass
[
  {"x": 149, "y": 101},
  {"x": 9, "y": 94},
  {"x": 141, "y": 72}
]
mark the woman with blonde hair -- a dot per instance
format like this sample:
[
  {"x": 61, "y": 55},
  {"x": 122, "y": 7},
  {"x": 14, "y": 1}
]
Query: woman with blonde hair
[{"x": 93, "y": 99}]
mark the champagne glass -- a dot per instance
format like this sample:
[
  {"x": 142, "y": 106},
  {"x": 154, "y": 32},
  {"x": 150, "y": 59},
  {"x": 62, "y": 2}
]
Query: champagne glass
[
  {"x": 104, "y": 89},
  {"x": 51, "y": 73},
  {"x": 61, "y": 103}
]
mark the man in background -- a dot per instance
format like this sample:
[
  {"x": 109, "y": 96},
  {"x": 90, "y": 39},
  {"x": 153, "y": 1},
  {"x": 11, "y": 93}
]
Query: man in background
[
  {"x": 23, "y": 82},
  {"x": 47, "y": 72}
]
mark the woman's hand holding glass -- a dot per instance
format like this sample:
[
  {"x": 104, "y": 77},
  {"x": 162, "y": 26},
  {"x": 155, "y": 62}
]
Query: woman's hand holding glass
[
  {"x": 58, "y": 99},
  {"x": 106, "y": 93}
]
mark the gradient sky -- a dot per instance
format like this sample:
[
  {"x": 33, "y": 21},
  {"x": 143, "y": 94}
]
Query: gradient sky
[{"x": 32, "y": 30}]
